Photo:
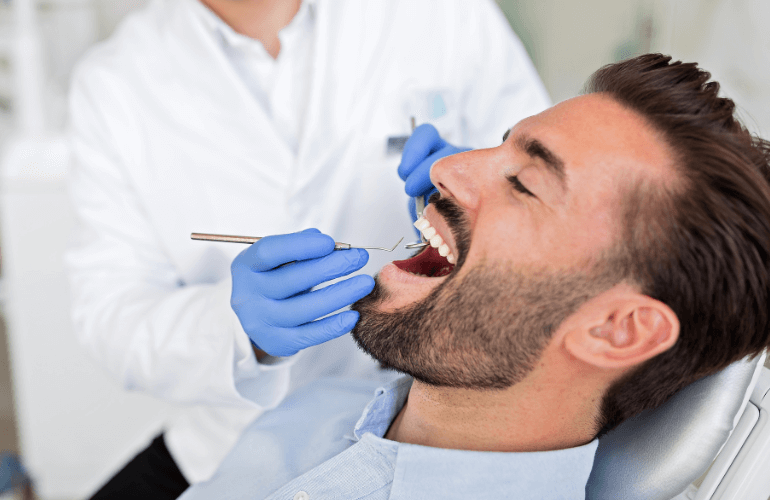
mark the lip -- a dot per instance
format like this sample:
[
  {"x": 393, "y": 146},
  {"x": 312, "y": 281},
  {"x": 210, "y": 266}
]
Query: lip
[
  {"x": 392, "y": 271},
  {"x": 442, "y": 228},
  {"x": 405, "y": 288}
]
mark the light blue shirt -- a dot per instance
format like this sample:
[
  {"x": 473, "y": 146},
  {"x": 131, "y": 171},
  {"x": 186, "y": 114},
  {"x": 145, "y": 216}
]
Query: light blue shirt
[{"x": 318, "y": 445}]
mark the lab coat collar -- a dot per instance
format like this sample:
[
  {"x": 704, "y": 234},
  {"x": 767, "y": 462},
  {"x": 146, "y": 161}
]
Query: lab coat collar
[
  {"x": 221, "y": 29},
  {"x": 192, "y": 46},
  {"x": 427, "y": 472}
]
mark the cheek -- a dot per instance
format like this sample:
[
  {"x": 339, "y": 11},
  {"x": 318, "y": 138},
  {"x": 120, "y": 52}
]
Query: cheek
[
  {"x": 543, "y": 241},
  {"x": 574, "y": 239},
  {"x": 504, "y": 235},
  {"x": 596, "y": 220}
]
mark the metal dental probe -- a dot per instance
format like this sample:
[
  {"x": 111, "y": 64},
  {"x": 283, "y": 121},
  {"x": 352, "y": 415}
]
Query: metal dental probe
[
  {"x": 413, "y": 246},
  {"x": 419, "y": 208},
  {"x": 253, "y": 239}
]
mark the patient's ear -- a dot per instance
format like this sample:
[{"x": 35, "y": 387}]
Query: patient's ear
[{"x": 620, "y": 328}]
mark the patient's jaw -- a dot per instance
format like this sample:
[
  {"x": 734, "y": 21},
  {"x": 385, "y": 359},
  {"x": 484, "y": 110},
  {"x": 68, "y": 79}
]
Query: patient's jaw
[{"x": 542, "y": 211}]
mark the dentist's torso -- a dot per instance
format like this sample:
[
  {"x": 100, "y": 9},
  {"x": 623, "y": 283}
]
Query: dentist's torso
[{"x": 204, "y": 155}]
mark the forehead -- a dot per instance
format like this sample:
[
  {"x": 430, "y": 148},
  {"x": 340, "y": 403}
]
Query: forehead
[{"x": 599, "y": 138}]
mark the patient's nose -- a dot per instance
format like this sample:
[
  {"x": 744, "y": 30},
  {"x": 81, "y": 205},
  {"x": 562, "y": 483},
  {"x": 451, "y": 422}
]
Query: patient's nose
[
  {"x": 464, "y": 176},
  {"x": 453, "y": 177}
]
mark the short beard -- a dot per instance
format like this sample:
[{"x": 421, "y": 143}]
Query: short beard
[{"x": 484, "y": 331}]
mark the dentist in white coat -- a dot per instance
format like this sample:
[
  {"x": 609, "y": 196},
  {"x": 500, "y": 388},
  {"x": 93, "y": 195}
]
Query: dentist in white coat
[{"x": 255, "y": 117}]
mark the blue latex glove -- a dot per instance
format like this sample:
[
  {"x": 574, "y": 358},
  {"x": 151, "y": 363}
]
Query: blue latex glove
[
  {"x": 421, "y": 151},
  {"x": 275, "y": 305}
]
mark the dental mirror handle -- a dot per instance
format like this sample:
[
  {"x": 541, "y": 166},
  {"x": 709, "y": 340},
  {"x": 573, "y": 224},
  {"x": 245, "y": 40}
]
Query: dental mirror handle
[
  {"x": 253, "y": 239},
  {"x": 419, "y": 201},
  {"x": 227, "y": 238}
]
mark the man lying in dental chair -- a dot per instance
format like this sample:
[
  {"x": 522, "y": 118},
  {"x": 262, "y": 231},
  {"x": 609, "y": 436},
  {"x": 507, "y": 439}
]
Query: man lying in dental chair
[{"x": 612, "y": 250}]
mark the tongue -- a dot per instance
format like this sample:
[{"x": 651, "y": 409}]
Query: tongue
[{"x": 428, "y": 262}]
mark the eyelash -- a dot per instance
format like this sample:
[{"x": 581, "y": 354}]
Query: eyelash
[{"x": 518, "y": 186}]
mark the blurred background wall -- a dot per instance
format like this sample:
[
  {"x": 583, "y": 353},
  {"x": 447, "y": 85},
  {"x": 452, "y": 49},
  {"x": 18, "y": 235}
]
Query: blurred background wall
[
  {"x": 569, "y": 40},
  {"x": 72, "y": 425}
]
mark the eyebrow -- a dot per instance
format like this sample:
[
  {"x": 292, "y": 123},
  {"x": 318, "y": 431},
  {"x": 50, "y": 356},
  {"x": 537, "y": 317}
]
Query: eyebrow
[{"x": 536, "y": 149}]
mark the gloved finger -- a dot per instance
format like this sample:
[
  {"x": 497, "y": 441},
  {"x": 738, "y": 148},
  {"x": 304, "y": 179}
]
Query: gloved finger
[
  {"x": 310, "y": 230},
  {"x": 418, "y": 182},
  {"x": 303, "y": 292},
  {"x": 289, "y": 341},
  {"x": 424, "y": 141},
  {"x": 328, "y": 328},
  {"x": 294, "y": 278},
  {"x": 318, "y": 303},
  {"x": 273, "y": 251}
]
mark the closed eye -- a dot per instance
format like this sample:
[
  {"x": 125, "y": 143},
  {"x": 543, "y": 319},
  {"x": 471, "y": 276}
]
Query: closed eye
[{"x": 518, "y": 186}]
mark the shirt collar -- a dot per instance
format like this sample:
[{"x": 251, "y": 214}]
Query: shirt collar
[
  {"x": 380, "y": 412},
  {"x": 426, "y": 472},
  {"x": 422, "y": 472},
  {"x": 306, "y": 13}
]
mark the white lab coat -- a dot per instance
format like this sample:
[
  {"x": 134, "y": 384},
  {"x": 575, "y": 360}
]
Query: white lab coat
[{"x": 168, "y": 140}]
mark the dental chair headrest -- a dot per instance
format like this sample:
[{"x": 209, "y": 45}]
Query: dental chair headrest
[{"x": 658, "y": 453}]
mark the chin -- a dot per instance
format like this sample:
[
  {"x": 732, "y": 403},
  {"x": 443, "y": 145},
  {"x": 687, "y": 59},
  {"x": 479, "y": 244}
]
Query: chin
[{"x": 484, "y": 328}]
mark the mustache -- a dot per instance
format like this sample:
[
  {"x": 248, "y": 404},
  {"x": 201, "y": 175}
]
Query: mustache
[{"x": 457, "y": 221}]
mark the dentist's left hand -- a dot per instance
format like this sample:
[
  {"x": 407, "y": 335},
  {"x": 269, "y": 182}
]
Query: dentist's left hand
[
  {"x": 423, "y": 148},
  {"x": 274, "y": 304}
]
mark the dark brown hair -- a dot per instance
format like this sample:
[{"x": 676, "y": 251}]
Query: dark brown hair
[{"x": 701, "y": 247}]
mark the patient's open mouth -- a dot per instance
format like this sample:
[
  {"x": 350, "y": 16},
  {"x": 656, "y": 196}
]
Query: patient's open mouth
[
  {"x": 427, "y": 263},
  {"x": 434, "y": 261}
]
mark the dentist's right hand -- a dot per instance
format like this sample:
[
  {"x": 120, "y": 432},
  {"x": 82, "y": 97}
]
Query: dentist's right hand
[{"x": 273, "y": 301}]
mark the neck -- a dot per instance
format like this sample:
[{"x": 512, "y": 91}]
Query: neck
[
  {"x": 540, "y": 413},
  {"x": 257, "y": 19}
]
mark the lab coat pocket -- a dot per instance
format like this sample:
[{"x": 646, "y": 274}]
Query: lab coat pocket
[{"x": 440, "y": 108}]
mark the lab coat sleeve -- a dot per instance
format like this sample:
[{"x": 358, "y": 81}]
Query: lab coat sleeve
[
  {"x": 503, "y": 86},
  {"x": 177, "y": 341}
]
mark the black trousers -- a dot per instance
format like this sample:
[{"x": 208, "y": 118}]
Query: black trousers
[{"x": 152, "y": 474}]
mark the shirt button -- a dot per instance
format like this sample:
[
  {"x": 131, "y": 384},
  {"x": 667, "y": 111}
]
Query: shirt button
[{"x": 301, "y": 495}]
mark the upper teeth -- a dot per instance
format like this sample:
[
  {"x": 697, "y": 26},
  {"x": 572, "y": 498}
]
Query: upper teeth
[{"x": 436, "y": 241}]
